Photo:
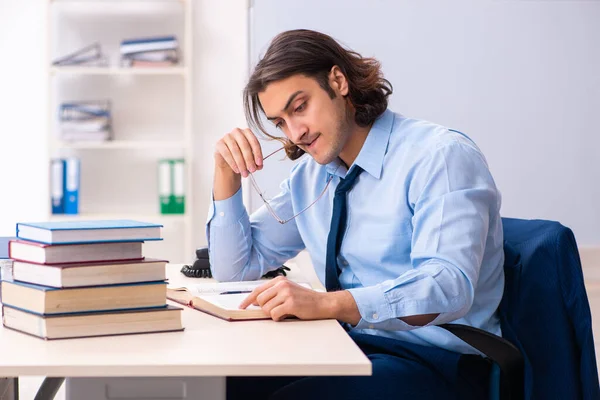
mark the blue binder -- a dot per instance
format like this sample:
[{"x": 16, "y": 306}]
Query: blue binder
[
  {"x": 57, "y": 186},
  {"x": 71, "y": 187}
]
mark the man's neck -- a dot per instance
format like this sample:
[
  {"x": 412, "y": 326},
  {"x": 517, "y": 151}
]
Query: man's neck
[{"x": 356, "y": 140}]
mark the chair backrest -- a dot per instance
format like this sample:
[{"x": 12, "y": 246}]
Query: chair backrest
[{"x": 545, "y": 310}]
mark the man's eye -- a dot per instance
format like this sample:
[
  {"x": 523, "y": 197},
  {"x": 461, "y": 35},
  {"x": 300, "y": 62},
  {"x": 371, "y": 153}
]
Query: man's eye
[{"x": 300, "y": 107}]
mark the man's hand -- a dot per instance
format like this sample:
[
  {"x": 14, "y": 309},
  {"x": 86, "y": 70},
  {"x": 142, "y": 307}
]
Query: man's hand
[
  {"x": 237, "y": 153},
  {"x": 281, "y": 298}
]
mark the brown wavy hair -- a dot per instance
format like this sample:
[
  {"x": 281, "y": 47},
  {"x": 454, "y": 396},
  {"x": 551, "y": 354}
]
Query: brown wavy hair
[{"x": 313, "y": 54}]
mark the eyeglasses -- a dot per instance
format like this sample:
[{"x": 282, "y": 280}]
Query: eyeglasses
[{"x": 268, "y": 206}]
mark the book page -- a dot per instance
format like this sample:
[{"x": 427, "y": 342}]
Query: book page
[
  {"x": 221, "y": 287},
  {"x": 229, "y": 301}
]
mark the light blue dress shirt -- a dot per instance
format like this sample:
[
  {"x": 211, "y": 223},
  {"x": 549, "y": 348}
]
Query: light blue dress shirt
[{"x": 424, "y": 234}]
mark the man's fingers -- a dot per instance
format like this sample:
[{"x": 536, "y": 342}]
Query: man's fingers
[
  {"x": 246, "y": 149},
  {"x": 280, "y": 312},
  {"x": 272, "y": 303},
  {"x": 267, "y": 295},
  {"x": 250, "y": 299},
  {"x": 223, "y": 150},
  {"x": 253, "y": 296},
  {"x": 256, "y": 149},
  {"x": 236, "y": 153}
]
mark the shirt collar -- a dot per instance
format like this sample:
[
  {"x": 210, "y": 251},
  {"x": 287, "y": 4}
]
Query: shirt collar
[{"x": 371, "y": 155}]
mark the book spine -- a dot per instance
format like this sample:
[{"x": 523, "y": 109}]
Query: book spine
[
  {"x": 149, "y": 40},
  {"x": 150, "y": 46}
]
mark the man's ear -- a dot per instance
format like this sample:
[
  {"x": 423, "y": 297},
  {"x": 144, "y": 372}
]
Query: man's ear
[{"x": 338, "y": 81}]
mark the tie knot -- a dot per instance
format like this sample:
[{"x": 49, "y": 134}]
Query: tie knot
[{"x": 347, "y": 182}]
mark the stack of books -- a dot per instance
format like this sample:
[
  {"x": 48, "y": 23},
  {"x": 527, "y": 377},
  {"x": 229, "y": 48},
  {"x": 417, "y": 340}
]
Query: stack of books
[
  {"x": 85, "y": 121},
  {"x": 89, "y": 56},
  {"x": 6, "y": 263},
  {"x": 150, "y": 52},
  {"x": 86, "y": 278}
]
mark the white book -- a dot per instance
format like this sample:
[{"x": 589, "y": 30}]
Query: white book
[{"x": 149, "y": 46}]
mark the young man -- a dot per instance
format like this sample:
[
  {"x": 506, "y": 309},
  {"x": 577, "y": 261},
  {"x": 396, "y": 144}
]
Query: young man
[{"x": 400, "y": 218}]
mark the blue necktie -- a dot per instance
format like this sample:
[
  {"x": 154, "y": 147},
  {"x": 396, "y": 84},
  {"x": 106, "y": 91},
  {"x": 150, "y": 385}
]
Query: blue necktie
[{"x": 336, "y": 231}]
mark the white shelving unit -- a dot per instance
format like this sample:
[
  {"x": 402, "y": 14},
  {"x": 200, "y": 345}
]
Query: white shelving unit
[
  {"x": 118, "y": 71},
  {"x": 140, "y": 136}
]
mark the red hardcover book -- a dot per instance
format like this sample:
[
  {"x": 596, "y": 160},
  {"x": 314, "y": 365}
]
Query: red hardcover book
[{"x": 74, "y": 253}]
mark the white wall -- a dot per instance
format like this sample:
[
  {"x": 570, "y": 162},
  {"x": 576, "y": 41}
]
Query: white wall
[
  {"x": 221, "y": 50},
  {"x": 23, "y": 96},
  {"x": 544, "y": 65},
  {"x": 522, "y": 78},
  {"x": 220, "y": 71}
]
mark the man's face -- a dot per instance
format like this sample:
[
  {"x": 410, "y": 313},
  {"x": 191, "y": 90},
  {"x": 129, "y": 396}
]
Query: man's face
[{"x": 308, "y": 116}]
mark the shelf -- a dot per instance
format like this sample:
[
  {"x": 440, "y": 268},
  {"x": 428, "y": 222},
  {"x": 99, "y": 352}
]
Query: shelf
[
  {"x": 104, "y": 2},
  {"x": 182, "y": 71},
  {"x": 122, "y": 144},
  {"x": 159, "y": 218},
  {"x": 134, "y": 145}
]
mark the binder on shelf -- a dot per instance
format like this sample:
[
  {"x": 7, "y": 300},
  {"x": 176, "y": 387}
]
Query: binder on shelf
[
  {"x": 178, "y": 197},
  {"x": 164, "y": 186},
  {"x": 85, "y": 120},
  {"x": 57, "y": 186},
  {"x": 87, "y": 56},
  {"x": 150, "y": 52},
  {"x": 72, "y": 180}
]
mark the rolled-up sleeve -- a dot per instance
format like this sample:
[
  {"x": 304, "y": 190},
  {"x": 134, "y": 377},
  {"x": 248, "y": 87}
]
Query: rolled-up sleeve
[{"x": 452, "y": 194}]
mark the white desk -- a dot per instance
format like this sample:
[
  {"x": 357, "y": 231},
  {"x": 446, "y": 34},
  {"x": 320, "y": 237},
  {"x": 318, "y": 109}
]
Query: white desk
[{"x": 209, "y": 347}]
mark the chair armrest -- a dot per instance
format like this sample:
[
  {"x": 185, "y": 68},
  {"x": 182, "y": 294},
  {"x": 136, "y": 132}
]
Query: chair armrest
[{"x": 506, "y": 355}]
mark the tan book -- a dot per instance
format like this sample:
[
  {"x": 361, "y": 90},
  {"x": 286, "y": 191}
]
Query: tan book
[
  {"x": 90, "y": 274},
  {"x": 64, "y": 326},
  {"x": 221, "y": 299},
  {"x": 224, "y": 306},
  {"x": 47, "y": 300}
]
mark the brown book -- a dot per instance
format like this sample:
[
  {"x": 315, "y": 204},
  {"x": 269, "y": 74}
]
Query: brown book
[
  {"x": 64, "y": 326},
  {"x": 90, "y": 274},
  {"x": 46, "y": 300},
  {"x": 224, "y": 306}
]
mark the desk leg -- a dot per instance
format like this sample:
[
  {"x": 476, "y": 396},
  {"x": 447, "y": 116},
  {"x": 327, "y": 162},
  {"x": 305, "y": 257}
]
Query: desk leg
[
  {"x": 157, "y": 388},
  {"x": 9, "y": 388}
]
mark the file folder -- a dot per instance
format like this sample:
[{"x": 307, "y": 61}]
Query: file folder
[
  {"x": 178, "y": 198},
  {"x": 72, "y": 179},
  {"x": 164, "y": 186},
  {"x": 57, "y": 186}
]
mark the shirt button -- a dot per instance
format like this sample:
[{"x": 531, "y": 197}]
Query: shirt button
[
  {"x": 371, "y": 326},
  {"x": 222, "y": 214},
  {"x": 375, "y": 316}
]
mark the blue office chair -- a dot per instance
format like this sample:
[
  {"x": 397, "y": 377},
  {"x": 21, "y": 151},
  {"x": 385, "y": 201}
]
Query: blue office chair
[{"x": 548, "y": 349}]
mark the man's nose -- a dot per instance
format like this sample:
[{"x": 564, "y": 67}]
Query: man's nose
[{"x": 298, "y": 132}]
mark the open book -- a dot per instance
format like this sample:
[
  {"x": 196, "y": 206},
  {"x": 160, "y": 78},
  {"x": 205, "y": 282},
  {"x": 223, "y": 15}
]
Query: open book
[{"x": 221, "y": 299}]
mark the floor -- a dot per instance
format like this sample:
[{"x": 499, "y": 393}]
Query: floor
[{"x": 591, "y": 270}]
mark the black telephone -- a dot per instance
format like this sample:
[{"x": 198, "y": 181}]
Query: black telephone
[{"x": 201, "y": 267}]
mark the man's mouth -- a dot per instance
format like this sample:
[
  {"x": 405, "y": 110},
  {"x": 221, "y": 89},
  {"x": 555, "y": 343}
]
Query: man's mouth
[{"x": 311, "y": 145}]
